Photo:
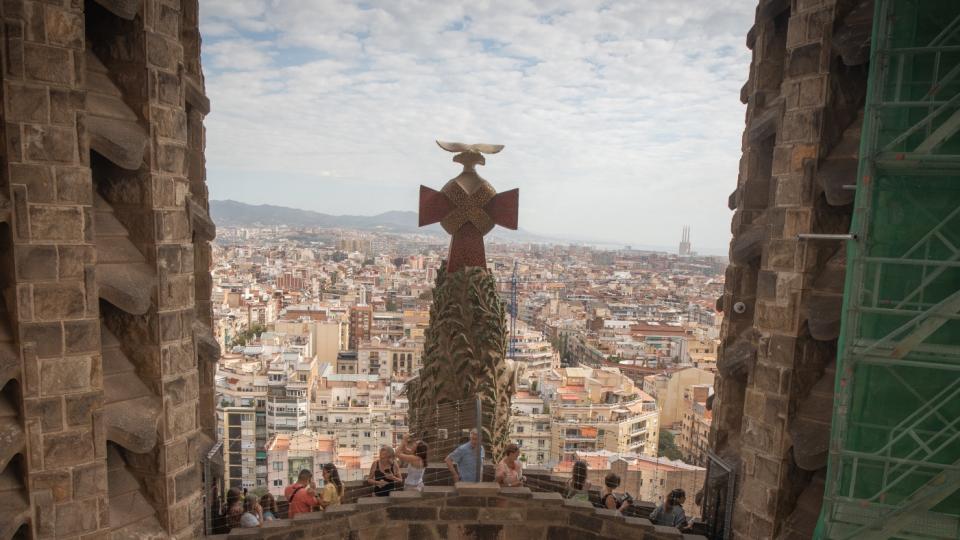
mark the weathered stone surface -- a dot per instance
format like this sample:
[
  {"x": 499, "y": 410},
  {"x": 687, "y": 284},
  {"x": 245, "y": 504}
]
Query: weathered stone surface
[
  {"x": 195, "y": 95},
  {"x": 59, "y": 300},
  {"x": 80, "y": 407},
  {"x": 37, "y": 263},
  {"x": 852, "y": 38},
  {"x": 27, "y": 103},
  {"x": 203, "y": 226},
  {"x": 825, "y": 304},
  {"x": 748, "y": 245},
  {"x": 63, "y": 27},
  {"x": 76, "y": 517},
  {"x": 810, "y": 428},
  {"x": 50, "y": 143},
  {"x": 55, "y": 223},
  {"x": 48, "y": 64},
  {"x": 67, "y": 448},
  {"x": 132, "y": 411},
  {"x": 48, "y": 410},
  {"x": 126, "y": 9},
  {"x": 58, "y": 375},
  {"x": 131, "y": 515}
]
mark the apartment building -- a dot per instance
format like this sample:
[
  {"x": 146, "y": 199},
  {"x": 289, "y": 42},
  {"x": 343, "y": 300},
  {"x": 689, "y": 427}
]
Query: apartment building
[
  {"x": 239, "y": 447},
  {"x": 599, "y": 409},
  {"x": 359, "y": 410},
  {"x": 289, "y": 453},
  {"x": 390, "y": 360},
  {"x": 361, "y": 325},
  {"x": 695, "y": 429},
  {"x": 669, "y": 390},
  {"x": 531, "y": 429}
]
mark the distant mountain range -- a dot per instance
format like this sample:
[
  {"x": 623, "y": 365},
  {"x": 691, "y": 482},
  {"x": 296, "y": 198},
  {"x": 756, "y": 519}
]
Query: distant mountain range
[
  {"x": 237, "y": 214},
  {"x": 231, "y": 213}
]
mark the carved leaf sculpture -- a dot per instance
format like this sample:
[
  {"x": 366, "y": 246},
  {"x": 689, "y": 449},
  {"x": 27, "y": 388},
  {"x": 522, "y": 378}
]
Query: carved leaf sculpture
[{"x": 464, "y": 357}]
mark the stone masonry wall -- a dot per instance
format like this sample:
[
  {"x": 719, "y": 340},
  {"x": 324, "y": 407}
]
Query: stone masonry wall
[
  {"x": 466, "y": 511},
  {"x": 104, "y": 208},
  {"x": 783, "y": 294}
]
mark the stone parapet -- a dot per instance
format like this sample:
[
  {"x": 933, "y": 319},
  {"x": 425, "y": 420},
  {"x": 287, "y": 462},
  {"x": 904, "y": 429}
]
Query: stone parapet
[{"x": 481, "y": 510}]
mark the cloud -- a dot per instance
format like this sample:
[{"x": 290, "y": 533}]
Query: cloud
[{"x": 621, "y": 120}]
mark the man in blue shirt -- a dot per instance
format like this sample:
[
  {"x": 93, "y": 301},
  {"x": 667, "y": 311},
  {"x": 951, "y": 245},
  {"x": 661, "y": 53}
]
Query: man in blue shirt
[{"x": 462, "y": 462}]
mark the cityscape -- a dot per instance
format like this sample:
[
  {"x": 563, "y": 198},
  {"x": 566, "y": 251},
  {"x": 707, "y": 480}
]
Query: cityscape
[
  {"x": 614, "y": 351},
  {"x": 228, "y": 312}
]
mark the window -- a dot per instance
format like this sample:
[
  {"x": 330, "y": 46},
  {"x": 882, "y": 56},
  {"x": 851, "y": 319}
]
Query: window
[
  {"x": 539, "y": 457},
  {"x": 519, "y": 429},
  {"x": 541, "y": 443},
  {"x": 278, "y": 465},
  {"x": 536, "y": 410},
  {"x": 366, "y": 434},
  {"x": 383, "y": 433},
  {"x": 278, "y": 483}
]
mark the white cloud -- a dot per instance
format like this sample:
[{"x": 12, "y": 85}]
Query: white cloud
[{"x": 621, "y": 122}]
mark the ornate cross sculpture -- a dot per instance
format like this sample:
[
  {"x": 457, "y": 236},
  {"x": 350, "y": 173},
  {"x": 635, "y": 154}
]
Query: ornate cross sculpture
[{"x": 468, "y": 207}]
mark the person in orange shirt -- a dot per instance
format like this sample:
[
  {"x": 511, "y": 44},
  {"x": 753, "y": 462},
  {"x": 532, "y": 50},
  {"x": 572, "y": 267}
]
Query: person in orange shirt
[{"x": 302, "y": 496}]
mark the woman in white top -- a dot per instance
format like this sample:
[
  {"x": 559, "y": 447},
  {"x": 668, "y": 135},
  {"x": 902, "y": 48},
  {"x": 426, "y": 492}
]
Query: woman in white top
[
  {"x": 416, "y": 463},
  {"x": 509, "y": 472}
]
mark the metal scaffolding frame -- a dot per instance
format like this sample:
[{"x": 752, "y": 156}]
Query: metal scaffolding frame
[{"x": 895, "y": 444}]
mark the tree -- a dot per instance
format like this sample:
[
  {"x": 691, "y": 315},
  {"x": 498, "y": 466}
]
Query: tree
[
  {"x": 244, "y": 336},
  {"x": 338, "y": 256},
  {"x": 667, "y": 446}
]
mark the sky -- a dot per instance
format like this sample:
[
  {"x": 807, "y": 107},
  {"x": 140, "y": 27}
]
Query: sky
[{"x": 621, "y": 119}]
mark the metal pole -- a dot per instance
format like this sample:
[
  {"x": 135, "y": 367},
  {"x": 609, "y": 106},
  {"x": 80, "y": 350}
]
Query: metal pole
[
  {"x": 207, "y": 503},
  {"x": 479, "y": 449}
]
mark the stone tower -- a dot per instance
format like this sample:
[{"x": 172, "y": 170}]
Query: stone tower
[
  {"x": 782, "y": 300},
  {"x": 106, "y": 353}
]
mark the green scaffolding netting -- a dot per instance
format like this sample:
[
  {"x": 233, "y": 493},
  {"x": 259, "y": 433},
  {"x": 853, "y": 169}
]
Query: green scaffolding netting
[{"x": 894, "y": 469}]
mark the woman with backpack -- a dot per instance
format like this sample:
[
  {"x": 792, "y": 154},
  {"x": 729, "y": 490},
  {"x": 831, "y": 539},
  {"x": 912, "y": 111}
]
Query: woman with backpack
[
  {"x": 610, "y": 499},
  {"x": 578, "y": 487}
]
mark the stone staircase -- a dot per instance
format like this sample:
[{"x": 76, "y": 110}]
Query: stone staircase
[
  {"x": 474, "y": 511},
  {"x": 132, "y": 411},
  {"x": 131, "y": 514}
]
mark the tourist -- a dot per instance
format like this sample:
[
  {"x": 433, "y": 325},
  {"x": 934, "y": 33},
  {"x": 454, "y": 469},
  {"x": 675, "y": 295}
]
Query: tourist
[
  {"x": 670, "y": 512},
  {"x": 269, "y": 505},
  {"x": 249, "y": 519},
  {"x": 408, "y": 446},
  {"x": 462, "y": 462},
  {"x": 384, "y": 473},
  {"x": 611, "y": 500},
  {"x": 416, "y": 461},
  {"x": 578, "y": 487},
  {"x": 332, "y": 486},
  {"x": 509, "y": 473},
  {"x": 302, "y": 496},
  {"x": 234, "y": 507}
]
